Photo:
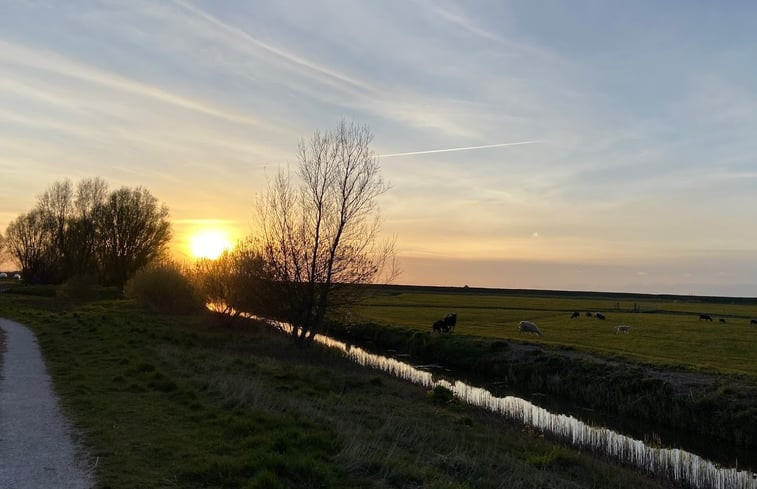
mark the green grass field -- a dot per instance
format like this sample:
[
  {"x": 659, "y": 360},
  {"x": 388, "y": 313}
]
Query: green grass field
[
  {"x": 184, "y": 401},
  {"x": 663, "y": 332}
]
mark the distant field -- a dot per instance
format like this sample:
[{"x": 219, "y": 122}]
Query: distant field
[{"x": 666, "y": 331}]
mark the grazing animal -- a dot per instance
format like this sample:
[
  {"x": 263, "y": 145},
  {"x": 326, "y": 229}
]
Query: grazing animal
[
  {"x": 528, "y": 327},
  {"x": 440, "y": 327},
  {"x": 623, "y": 328},
  {"x": 588, "y": 314},
  {"x": 721, "y": 320},
  {"x": 575, "y": 315},
  {"x": 450, "y": 320},
  {"x": 705, "y": 317},
  {"x": 754, "y": 321},
  {"x": 600, "y": 315}
]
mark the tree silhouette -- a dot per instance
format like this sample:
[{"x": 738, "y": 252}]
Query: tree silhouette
[
  {"x": 31, "y": 244},
  {"x": 84, "y": 231},
  {"x": 319, "y": 230},
  {"x": 132, "y": 231}
]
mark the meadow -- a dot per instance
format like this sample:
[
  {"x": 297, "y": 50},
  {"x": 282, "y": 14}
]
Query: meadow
[
  {"x": 193, "y": 402},
  {"x": 665, "y": 330}
]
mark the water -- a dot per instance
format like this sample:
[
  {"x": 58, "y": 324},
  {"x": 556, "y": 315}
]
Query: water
[
  {"x": 657, "y": 434},
  {"x": 676, "y": 464}
]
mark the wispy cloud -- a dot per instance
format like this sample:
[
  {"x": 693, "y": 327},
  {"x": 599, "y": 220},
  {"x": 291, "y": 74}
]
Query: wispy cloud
[
  {"x": 313, "y": 79},
  {"x": 459, "y": 19},
  {"x": 12, "y": 54},
  {"x": 278, "y": 51}
]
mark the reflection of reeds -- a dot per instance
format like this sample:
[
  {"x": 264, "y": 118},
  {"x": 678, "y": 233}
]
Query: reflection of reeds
[{"x": 678, "y": 465}]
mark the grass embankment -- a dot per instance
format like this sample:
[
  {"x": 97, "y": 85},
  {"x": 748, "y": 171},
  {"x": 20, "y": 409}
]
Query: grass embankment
[
  {"x": 672, "y": 369},
  {"x": 165, "y": 401}
]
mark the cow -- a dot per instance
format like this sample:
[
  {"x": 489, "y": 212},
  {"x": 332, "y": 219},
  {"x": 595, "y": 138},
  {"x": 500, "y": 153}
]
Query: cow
[
  {"x": 440, "y": 327},
  {"x": 754, "y": 321},
  {"x": 705, "y": 317},
  {"x": 721, "y": 320},
  {"x": 623, "y": 328},
  {"x": 588, "y": 314},
  {"x": 450, "y": 320},
  {"x": 575, "y": 315},
  {"x": 528, "y": 327},
  {"x": 599, "y": 315}
]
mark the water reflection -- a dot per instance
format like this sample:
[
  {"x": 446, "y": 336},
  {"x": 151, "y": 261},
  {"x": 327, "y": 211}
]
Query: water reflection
[
  {"x": 655, "y": 434},
  {"x": 678, "y": 465}
]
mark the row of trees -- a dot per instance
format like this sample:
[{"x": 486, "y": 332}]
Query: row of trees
[
  {"x": 316, "y": 247},
  {"x": 86, "y": 230}
]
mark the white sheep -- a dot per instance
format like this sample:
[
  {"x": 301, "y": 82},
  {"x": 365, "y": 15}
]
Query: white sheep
[{"x": 528, "y": 327}]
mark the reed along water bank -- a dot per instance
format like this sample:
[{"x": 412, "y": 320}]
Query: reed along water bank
[
  {"x": 683, "y": 406},
  {"x": 675, "y": 464}
]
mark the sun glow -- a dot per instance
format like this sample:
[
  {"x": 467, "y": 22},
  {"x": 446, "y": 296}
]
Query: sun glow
[{"x": 210, "y": 244}]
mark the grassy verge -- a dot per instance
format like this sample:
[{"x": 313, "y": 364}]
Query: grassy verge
[{"x": 165, "y": 401}]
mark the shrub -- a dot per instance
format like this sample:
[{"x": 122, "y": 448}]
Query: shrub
[
  {"x": 162, "y": 287},
  {"x": 77, "y": 288},
  {"x": 556, "y": 456},
  {"x": 440, "y": 395}
]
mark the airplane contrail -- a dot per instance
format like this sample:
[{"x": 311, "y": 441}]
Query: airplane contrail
[{"x": 447, "y": 150}]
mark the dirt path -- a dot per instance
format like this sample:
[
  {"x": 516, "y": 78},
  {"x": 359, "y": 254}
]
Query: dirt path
[{"x": 36, "y": 448}]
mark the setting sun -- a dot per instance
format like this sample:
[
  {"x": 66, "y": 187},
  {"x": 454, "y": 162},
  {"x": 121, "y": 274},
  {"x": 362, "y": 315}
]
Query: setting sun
[{"x": 210, "y": 244}]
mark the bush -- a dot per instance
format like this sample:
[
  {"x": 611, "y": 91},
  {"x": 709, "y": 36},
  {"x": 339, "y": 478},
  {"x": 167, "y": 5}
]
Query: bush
[
  {"x": 162, "y": 287},
  {"x": 78, "y": 288},
  {"x": 440, "y": 395}
]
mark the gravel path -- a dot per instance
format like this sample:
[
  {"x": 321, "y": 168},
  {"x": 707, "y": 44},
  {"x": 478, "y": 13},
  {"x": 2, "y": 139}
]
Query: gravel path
[{"x": 36, "y": 449}]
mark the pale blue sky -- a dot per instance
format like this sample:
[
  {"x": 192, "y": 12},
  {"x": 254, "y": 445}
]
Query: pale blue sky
[{"x": 644, "y": 176}]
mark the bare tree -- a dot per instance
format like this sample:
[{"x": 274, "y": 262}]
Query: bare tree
[
  {"x": 319, "y": 234},
  {"x": 31, "y": 244},
  {"x": 70, "y": 215},
  {"x": 55, "y": 206},
  {"x": 4, "y": 255},
  {"x": 133, "y": 230},
  {"x": 82, "y": 233}
]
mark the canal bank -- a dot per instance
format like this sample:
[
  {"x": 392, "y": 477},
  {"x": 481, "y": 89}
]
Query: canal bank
[{"x": 710, "y": 414}]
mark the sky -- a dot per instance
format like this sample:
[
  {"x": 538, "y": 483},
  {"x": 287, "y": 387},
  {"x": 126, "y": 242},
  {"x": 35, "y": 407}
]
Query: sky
[{"x": 637, "y": 172}]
